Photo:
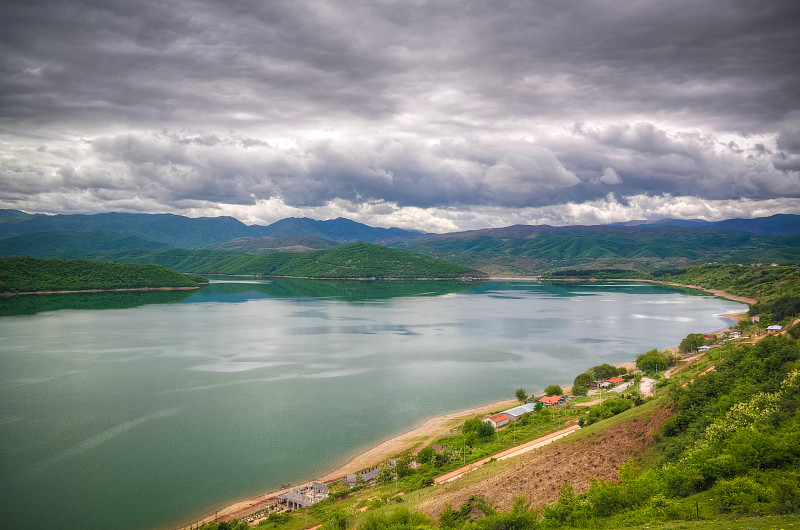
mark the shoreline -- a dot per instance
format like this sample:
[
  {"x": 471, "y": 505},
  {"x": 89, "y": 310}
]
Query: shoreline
[
  {"x": 416, "y": 438},
  {"x": 716, "y": 292},
  {"x": 422, "y": 434},
  {"x": 9, "y": 294}
]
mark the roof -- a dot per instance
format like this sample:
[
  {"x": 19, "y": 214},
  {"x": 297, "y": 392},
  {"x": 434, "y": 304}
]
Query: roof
[
  {"x": 520, "y": 410},
  {"x": 497, "y": 418},
  {"x": 551, "y": 399},
  {"x": 775, "y": 328},
  {"x": 615, "y": 380}
]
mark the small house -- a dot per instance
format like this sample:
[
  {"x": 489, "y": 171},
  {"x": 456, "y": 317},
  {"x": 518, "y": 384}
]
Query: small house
[
  {"x": 756, "y": 318},
  {"x": 615, "y": 380},
  {"x": 774, "y": 329},
  {"x": 704, "y": 348},
  {"x": 734, "y": 333},
  {"x": 496, "y": 421},
  {"x": 549, "y": 401}
]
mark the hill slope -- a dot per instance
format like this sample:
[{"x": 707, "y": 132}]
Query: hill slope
[
  {"x": 526, "y": 249},
  {"x": 354, "y": 260},
  {"x": 18, "y": 275}
]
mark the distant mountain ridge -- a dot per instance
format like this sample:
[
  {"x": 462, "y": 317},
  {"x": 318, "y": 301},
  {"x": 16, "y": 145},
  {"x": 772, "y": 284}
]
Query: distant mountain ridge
[
  {"x": 638, "y": 246},
  {"x": 185, "y": 232},
  {"x": 774, "y": 225}
]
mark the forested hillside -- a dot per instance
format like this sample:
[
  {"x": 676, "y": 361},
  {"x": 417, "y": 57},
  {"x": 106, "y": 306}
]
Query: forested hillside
[
  {"x": 766, "y": 283},
  {"x": 21, "y": 275},
  {"x": 72, "y": 244},
  {"x": 354, "y": 260},
  {"x": 541, "y": 249}
]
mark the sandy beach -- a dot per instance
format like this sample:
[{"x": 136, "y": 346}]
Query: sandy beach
[{"x": 414, "y": 439}]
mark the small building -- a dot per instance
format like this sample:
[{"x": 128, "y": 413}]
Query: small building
[
  {"x": 516, "y": 413},
  {"x": 304, "y": 496},
  {"x": 439, "y": 448},
  {"x": 496, "y": 421},
  {"x": 366, "y": 476},
  {"x": 734, "y": 333},
  {"x": 774, "y": 329},
  {"x": 549, "y": 401},
  {"x": 704, "y": 348},
  {"x": 756, "y": 318},
  {"x": 615, "y": 380}
]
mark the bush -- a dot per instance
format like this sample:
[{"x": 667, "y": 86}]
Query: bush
[
  {"x": 553, "y": 390},
  {"x": 425, "y": 455},
  {"x": 739, "y": 495},
  {"x": 579, "y": 391},
  {"x": 654, "y": 361}
]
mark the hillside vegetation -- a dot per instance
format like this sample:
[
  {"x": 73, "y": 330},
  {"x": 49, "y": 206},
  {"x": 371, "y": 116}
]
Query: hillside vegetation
[
  {"x": 354, "y": 260},
  {"x": 620, "y": 249},
  {"x": 19, "y": 275},
  {"x": 765, "y": 283}
]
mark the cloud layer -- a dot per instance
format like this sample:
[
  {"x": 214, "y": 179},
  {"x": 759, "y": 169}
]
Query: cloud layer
[{"x": 431, "y": 115}]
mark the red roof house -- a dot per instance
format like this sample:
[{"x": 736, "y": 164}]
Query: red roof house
[
  {"x": 498, "y": 420},
  {"x": 551, "y": 400}
]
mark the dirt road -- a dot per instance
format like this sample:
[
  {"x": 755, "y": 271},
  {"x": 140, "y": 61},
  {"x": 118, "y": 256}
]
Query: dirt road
[{"x": 508, "y": 453}]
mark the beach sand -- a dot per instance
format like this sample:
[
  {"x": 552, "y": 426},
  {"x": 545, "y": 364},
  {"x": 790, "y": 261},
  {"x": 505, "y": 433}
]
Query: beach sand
[{"x": 414, "y": 439}]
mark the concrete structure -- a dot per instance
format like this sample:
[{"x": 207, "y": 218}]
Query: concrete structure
[
  {"x": 304, "y": 496},
  {"x": 774, "y": 329},
  {"x": 366, "y": 476}
]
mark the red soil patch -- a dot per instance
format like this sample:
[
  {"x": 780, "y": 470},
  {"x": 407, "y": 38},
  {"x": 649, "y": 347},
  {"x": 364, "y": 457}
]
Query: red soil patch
[{"x": 539, "y": 474}]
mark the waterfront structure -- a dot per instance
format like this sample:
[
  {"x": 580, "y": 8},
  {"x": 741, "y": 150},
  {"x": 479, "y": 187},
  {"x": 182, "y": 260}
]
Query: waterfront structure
[{"x": 304, "y": 496}]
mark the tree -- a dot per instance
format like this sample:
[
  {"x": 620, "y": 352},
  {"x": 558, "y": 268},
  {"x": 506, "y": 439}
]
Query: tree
[
  {"x": 425, "y": 455},
  {"x": 788, "y": 306},
  {"x": 472, "y": 425},
  {"x": 692, "y": 342},
  {"x": 603, "y": 372},
  {"x": 521, "y": 395},
  {"x": 585, "y": 379},
  {"x": 653, "y": 361},
  {"x": 486, "y": 429},
  {"x": 441, "y": 459},
  {"x": 578, "y": 390},
  {"x": 403, "y": 466},
  {"x": 553, "y": 390},
  {"x": 385, "y": 474}
]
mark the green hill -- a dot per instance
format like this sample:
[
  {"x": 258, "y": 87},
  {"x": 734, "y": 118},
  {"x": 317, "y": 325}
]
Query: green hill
[
  {"x": 72, "y": 244},
  {"x": 538, "y": 249},
  {"x": 20, "y": 275},
  {"x": 354, "y": 260}
]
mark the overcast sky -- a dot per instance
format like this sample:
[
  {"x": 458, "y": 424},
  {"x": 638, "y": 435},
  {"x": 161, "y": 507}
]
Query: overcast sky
[{"x": 438, "y": 116}]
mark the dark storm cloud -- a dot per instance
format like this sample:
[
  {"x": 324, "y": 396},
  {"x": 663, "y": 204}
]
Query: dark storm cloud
[{"x": 419, "y": 104}]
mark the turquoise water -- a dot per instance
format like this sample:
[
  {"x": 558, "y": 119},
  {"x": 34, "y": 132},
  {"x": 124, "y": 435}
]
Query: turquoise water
[{"x": 148, "y": 411}]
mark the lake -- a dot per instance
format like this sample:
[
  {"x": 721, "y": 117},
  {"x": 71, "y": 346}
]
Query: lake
[{"x": 147, "y": 410}]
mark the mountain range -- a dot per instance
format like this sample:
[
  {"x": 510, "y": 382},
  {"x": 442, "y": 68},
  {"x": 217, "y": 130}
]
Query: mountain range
[{"x": 636, "y": 246}]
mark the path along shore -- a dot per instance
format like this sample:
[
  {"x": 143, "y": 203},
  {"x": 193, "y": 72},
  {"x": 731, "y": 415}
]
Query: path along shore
[{"x": 418, "y": 437}]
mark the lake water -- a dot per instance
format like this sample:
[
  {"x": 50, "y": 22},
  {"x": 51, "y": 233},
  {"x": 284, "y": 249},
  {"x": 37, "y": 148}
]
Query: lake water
[{"x": 142, "y": 410}]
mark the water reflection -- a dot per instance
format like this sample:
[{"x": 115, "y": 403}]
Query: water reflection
[{"x": 32, "y": 304}]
